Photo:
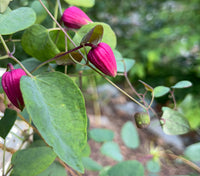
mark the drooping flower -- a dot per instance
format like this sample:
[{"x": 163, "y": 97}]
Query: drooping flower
[
  {"x": 102, "y": 57},
  {"x": 75, "y": 18},
  {"x": 11, "y": 85}
]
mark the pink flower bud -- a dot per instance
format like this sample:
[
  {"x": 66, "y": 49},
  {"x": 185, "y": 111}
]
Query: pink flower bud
[
  {"x": 11, "y": 85},
  {"x": 102, "y": 57},
  {"x": 73, "y": 17}
]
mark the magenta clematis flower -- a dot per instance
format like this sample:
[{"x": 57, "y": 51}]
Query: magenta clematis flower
[
  {"x": 11, "y": 85},
  {"x": 73, "y": 17},
  {"x": 102, "y": 57}
]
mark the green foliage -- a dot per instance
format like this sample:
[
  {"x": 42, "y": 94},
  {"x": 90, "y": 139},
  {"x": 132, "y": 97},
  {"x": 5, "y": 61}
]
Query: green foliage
[
  {"x": 101, "y": 135},
  {"x": 54, "y": 169},
  {"x": 130, "y": 136},
  {"x": 174, "y": 122},
  {"x": 182, "y": 84},
  {"x": 90, "y": 164},
  {"x": 7, "y": 121},
  {"x": 190, "y": 108},
  {"x": 16, "y": 20},
  {"x": 192, "y": 152},
  {"x": 160, "y": 91},
  {"x": 112, "y": 150},
  {"x": 37, "y": 43},
  {"x": 109, "y": 36},
  {"x": 4, "y": 5},
  {"x": 32, "y": 161},
  {"x": 50, "y": 101},
  {"x": 153, "y": 166},
  {"x": 127, "y": 168}
]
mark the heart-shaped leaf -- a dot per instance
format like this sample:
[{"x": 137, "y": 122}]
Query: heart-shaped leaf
[
  {"x": 174, "y": 122},
  {"x": 16, "y": 20},
  {"x": 57, "y": 108},
  {"x": 37, "y": 43}
]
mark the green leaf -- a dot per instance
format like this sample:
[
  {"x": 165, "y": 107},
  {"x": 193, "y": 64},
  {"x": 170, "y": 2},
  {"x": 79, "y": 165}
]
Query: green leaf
[
  {"x": 109, "y": 36},
  {"x": 147, "y": 87},
  {"x": 16, "y": 20},
  {"x": 54, "y": 169},
  {"x": 159, "y": 91},
  {"x": 41, "y": 14},
  {"x": 112, "y": 150},
  {"x": 193, "y": 152},
  {"x": 32, "y": 63},
  {"x": 57, "y": 108},
  {"x": 182, "y": 84},
  {"x": 130, "y": 136},
  {"x": 104, "y": 171},
  {"x": 101, "y": 135},
  {"x": 153, "y": 166},
  {"x": 37, "y": 43},
  {"x": 174, "y": 122},
  {"x": 127, "y": 168},
  {"x": 90, "y": 164},
  {"x": 32, "y": 161},
  {"x": 190, "y": 108},
  {"x": 7, "y": 121},
  {"x": 83, "y": 3},
  {"x": 94, "y": 36},
  {"x": 124, "y": 64},
  {"x": 4, "y": 5}
]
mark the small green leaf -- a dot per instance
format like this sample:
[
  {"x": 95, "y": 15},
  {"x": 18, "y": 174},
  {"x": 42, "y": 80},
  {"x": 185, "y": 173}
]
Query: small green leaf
[
  {"x": 159, "y": 91},
  {"x": 4, "y": 5},
  {"x": 94, "y": 36},
  {"x": 101, "y": 135},
  {"x": 112, "y": 150},
  {"x": 7, "y": 121},
  {"x": 57, "y": 108},
  {"x": 153, "y": 166},
  {"x": 127, "y": 168},
  {"x": 32, "y": 161},
  {"x": 16, "y": 20},
  {"x": 83, "y": 3},
  {"x": 37, "y": 43},
  {"x": 109, "y": 36},
  {"x": 124, "y": 64},
  {"x": 54, "y": 169},
  {"x": 90, "y": 164},
  {"x": 182, "y": 84},
  {"x": 193, "y": 152},
  {"x": 174, "y": 122},
  {"x": 104, "y": 171},
  {"x": 130, "y": 136}
]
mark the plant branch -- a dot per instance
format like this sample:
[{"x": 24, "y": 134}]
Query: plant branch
[
  {"x": 4, "y": 45},
  {"x": 8, "y": 149}
]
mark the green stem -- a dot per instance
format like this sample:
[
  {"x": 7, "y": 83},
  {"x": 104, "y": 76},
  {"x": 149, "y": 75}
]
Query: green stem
[
  {"x": 122, "y": 91},
  {"x": 4, "y": 44},
  {"x": 21, "y": 65},
  {"x": 4, "y": 57}
]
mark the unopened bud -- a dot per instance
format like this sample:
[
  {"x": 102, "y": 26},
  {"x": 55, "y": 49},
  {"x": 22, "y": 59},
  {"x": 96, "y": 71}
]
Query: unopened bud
[
  {"x": 102, "y": 57},
  {"x": 11, "y": 85},
  {"x": 142, "y": 120},
  {"x": 75, "y": 18}
]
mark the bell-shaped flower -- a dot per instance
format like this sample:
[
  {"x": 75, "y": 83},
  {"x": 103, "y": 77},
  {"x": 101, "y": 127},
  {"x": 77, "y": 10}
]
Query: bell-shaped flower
[
  {"x": 11, "y": 85},
  {"x": 73, "y": 17},
  {"x": 102, "y": 57}
]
